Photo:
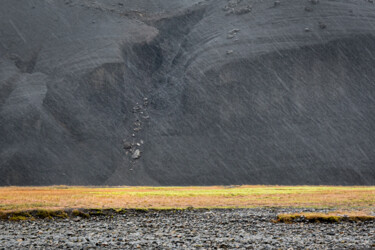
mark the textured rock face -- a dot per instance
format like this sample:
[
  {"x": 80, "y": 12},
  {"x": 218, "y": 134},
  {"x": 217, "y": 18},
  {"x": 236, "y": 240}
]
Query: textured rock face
[{"x": 208, "y": 92}]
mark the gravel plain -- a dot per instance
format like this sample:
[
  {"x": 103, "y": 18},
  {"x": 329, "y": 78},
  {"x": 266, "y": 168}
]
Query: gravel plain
[{"x": 188, "y": 229}]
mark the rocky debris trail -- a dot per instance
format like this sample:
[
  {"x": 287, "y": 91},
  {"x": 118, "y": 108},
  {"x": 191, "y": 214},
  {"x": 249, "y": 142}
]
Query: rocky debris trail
[
  {"x": 218, "y": 229},
  {"x": 133, "y": 145}
]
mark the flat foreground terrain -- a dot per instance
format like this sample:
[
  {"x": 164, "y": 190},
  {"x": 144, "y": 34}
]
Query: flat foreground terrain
[
  {"x": 64, "y": 197},
  {"x": 187, "y": 229},
  {"x": 104, "y": 218}
]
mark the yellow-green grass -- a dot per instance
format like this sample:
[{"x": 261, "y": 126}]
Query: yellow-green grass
[{"x": 13, "y": 199}]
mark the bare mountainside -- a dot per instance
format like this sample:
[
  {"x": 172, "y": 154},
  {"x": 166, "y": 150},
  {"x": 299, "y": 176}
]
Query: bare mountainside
[{"x": 188, "y": 92}]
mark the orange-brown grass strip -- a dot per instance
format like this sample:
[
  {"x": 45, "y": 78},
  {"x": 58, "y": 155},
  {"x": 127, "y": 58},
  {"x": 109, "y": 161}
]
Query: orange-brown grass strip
[
  {"x": 70, "y": 197},
  {"x": 331, "y": 217}
]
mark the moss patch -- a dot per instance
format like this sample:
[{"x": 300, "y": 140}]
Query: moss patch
[
  {"x": 59, "y": 214},
  {"x": 78, "y": 213},
  {"x": 43, "y": 214},
  {"x": 50, "y": 214},
  {"x": 323, "y": 217},
  {"x": 17, "y": 218},
  {"x": 96, "y": 212}
]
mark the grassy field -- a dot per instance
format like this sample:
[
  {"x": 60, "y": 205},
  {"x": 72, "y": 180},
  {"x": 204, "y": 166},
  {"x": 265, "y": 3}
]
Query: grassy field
[{"x": 65, "y": 197}]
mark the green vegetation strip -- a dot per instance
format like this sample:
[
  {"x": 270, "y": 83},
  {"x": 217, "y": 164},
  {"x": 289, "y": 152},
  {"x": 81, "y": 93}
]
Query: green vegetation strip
[
  {"x": 81, "y": 213},
  {"x": 88, "y": 213}
]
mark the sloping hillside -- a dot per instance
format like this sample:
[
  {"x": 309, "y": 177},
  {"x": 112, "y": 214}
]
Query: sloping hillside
[{"x": 187, "y": 92}]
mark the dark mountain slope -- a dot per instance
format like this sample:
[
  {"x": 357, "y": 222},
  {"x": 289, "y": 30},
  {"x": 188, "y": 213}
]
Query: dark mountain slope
[{"x": 204, "y": 92}]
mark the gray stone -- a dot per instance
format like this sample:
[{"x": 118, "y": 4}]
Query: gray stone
[
  {"x": 137, "y": 154},
  {"x": 127, "y": 145}
]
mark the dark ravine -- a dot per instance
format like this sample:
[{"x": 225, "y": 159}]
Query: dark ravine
[{"x": 189, "y": 92}]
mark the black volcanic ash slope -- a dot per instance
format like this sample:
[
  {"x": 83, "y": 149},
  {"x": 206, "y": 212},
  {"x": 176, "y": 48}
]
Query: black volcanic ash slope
[{"x": 187, "y": 92}]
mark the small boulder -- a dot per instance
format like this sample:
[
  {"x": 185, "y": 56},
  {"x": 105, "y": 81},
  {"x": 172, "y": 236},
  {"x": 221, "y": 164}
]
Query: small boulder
[
  {"x": 127, "y": 145},
  {"x": 137, "y": 154},
  {"x": 233, "y": 31}
]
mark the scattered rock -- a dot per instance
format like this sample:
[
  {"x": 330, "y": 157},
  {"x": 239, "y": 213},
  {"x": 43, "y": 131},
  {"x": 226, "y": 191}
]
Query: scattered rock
[
  {"x": 243, "y": 10},
  {"x": 322, "y": 25},
  {"x": 234, "y": 31},
  {"x": 136, "y": 109},
  {"x": 137, "y": 154},
  {"x": 127, "y": 145},
  {"x": 137, "y": 123},
  {"x": 237, "y": 7},
  {"x": 145, "y": 101}
]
